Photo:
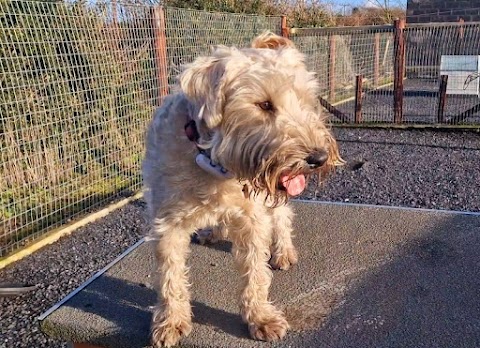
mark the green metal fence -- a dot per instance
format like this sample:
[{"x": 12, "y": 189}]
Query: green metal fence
[{"x": 79, "y": 82}]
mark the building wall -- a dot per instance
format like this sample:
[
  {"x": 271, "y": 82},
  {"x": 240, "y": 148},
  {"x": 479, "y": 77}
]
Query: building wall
[{"x": 425, "y": 11}]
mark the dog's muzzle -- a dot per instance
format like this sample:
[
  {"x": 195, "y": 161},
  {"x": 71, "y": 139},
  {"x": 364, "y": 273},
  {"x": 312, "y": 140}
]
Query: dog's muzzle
[{"x": 296, "y": 184}]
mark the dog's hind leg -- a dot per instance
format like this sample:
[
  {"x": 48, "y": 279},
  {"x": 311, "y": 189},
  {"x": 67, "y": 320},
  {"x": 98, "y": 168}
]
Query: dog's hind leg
[
  {"x": 172, "y": 316},
  {"x": 250, "y": 235},
  {"x": 283, "y": 252}
]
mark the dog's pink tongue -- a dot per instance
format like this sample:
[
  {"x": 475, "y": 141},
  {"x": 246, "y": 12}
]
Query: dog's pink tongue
[{"x": 294, "y": 185}]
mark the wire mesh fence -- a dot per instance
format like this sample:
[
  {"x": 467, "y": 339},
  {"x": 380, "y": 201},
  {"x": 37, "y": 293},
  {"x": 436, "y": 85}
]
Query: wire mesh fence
[
  {"x": 195, "y": 32},
  {"x": 79, "y": 82},
  {"x": 345, "y": 58},
  {"x": 448, "y": 53},
  {"x": 419, "y": 74}
]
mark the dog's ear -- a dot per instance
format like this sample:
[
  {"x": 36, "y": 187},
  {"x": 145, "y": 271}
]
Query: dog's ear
[
  {"x": 272, "y": 41},
  {"x": 203, "y": 82}
]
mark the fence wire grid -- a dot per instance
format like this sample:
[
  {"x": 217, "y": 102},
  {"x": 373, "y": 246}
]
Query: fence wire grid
[
  {"x": 339, "y": 55},
  {"x": 79, "y": 83},
  {"x": 419, "y": 74},
  {"x": 449, "y": 49}
]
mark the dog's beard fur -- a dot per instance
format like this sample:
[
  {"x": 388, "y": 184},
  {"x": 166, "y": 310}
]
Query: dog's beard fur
[
  {"x": 250, "y": 142},
  {"x": 262, "y": 158}
]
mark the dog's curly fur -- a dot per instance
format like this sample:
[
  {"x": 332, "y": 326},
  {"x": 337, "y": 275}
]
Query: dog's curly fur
[{"x": 257, "y": 115}]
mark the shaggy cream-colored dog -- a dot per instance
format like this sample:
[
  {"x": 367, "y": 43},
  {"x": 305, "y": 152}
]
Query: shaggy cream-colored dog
[{"x": 241, "y": 136}]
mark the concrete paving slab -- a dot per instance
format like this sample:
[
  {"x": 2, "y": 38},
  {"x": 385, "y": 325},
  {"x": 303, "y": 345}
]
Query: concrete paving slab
[{"x": 368, "y": 276}]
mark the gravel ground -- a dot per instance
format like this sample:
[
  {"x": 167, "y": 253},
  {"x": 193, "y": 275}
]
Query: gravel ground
[
  {"x": 424, "y": 169},
  {"x": 415, "y": 168},
  {"x": 58, "y": 269}
]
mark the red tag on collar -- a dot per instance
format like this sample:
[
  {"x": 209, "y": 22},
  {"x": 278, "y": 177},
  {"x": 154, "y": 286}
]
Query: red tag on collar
[{"x": 191, "y": 131}]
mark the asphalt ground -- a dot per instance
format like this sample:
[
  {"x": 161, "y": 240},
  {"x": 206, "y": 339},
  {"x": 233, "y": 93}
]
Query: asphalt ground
[{"x": 367, "y": 276}]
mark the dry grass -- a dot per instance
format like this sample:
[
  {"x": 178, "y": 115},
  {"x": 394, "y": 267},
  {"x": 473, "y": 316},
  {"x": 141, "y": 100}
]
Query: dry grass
[{"x": 77, "y": 95}]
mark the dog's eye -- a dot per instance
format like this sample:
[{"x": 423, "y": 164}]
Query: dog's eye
[{"x": 266, "y": 105}]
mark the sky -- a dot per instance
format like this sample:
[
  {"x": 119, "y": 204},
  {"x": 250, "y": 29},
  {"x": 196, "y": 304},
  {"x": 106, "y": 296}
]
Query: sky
[{"x": 347, "y": 5}]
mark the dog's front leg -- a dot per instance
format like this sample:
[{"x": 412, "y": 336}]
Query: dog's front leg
[
  {"x": 172, "y": 317},
  {"x": 284, "y": 253},
  {"x": 251, "y": 236}
]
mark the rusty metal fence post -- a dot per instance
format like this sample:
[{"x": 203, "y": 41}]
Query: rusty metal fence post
[
  {"x": 376, "y": 61},
  {"x": 284, "y": 27},
  {"x": 331, "y": 68},
  {"x": 399, "y": 69},
  {"x": 461, "y": 28},
  {"x": 442, "y": 96},
  {"x": 160, "y": 48},
  {"x": 358, "y": 98},
  {"x": 115, "y": 13}
]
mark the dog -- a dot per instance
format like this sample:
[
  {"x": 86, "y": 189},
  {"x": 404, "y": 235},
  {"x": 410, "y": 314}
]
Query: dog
[{"x": 243, "y": 133}]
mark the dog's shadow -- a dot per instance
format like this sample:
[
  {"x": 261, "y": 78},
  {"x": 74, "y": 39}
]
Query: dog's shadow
[
  {"x": 128, "y": 306},
  {"x": 219, "y": 320},
  {"x": 221, "y": 245}
]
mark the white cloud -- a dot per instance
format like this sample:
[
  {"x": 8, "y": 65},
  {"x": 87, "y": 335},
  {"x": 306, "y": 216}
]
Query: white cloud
[{"x": 372, "y": 4}]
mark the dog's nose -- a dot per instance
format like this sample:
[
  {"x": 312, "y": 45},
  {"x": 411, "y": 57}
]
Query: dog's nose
[{"x": 317, "y": 158}]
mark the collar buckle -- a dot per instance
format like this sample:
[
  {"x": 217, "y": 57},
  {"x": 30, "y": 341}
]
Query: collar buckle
[{"x": 203, "y": 159}]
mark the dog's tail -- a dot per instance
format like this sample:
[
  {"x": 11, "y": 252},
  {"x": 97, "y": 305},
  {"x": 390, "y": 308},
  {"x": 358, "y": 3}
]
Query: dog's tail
[{"x": 272, "y": 41}]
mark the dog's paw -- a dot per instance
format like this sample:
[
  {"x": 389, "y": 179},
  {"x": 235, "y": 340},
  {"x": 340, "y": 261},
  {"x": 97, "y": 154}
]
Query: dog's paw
[
  {"x": 205, "y": 236},
  {"x": 273, "y": 329},
  {"x": 284, "y": 259},
  {"x": 168, "y": 333}
]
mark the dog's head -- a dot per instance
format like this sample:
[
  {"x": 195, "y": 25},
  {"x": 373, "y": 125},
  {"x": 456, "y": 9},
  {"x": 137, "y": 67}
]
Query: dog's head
[{"x": 259, "y": 115}]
